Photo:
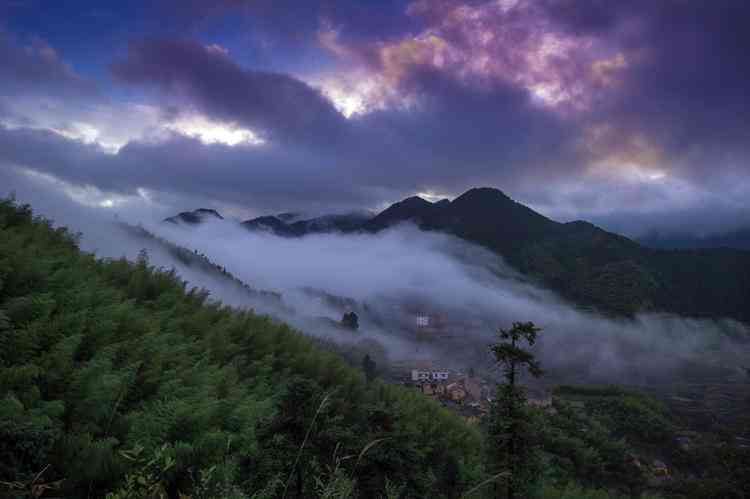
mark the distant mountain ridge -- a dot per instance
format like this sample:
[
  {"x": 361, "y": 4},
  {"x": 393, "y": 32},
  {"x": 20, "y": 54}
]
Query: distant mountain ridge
[
  {"x": 194, "y": 217},
  {"x": 289, "y": 225},
  {"x": 587, "y": 265}
]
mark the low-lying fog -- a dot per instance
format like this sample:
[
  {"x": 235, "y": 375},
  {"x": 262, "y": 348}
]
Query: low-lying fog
[{"x": 396, "y": 275}]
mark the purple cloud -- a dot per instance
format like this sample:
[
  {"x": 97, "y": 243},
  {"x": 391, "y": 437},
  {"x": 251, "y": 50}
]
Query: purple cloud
[
  {"x": 271, "y": 104},
  {"x": 585, "y": 105}
]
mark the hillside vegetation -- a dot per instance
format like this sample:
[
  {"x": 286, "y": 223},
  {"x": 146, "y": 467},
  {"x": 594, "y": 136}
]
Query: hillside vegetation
[
  {"x": 118, "y": 381},
  {"x": 112, "y": 369}
]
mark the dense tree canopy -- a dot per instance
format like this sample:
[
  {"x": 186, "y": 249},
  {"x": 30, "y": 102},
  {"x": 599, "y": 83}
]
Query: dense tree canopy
[{"x": 109, "y": 368}]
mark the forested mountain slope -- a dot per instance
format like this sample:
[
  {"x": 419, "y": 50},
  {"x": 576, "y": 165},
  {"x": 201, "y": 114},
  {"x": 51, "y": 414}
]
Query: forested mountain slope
[
  {"x": 591, "y": 267},
  {"x": 112, "y": 369},
  {"x": 588, "y": 265}
]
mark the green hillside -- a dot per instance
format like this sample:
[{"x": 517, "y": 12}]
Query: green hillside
[{"x": 115, "y": 376}]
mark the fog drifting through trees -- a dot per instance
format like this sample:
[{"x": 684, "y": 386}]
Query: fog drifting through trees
[{"x": 406, "y": 265}]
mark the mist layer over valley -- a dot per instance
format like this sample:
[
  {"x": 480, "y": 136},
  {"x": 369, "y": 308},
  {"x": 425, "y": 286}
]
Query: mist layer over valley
[
  {"x": 402, "y": 272},
  {"x": 392, "y": 277}
]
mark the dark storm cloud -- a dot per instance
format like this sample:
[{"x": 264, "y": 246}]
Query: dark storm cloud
[
  {"x": 453, "y": 139},
  {"x": 460, "y": 135},
  {"x": 262, "y": 179},
  {"x": 271, "y": 104},
  {"x": 456, "y": 135}
]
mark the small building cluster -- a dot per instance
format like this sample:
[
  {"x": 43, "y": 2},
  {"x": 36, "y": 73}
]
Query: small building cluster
[
  {"x": 470, "y": 396},
  {"x": 465, "y": 393},
  {"x": 426, "y": 375}
]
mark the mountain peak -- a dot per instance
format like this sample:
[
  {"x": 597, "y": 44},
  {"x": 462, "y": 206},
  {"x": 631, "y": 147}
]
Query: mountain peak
[
  {"x": 209, "y": 211},
  {"x": 413, "y": 208},
  {"x": 269, "y": 223},
  {"x": 413, "y": 201},
  {"x": 484, "y": 194},
  {"x": 290, "y": 217},
  {"x": 194, "y": 217}
]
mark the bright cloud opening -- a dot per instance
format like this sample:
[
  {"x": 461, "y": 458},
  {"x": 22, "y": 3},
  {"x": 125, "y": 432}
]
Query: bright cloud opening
[
  {"x": 432, "y": 196},
  {"x": 358, "y": 92},
  {"x": 212, "y": 132}
]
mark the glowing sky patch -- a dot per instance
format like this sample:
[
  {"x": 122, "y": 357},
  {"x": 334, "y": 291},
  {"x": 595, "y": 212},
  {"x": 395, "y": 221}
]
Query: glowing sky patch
[
  {"x": 92, "y": 124},
  {"x": 432, "y": 196},
  {"x": 634, "y": 172},
  {"x": 211, "y": 132},
  {"x": 348, "y": 98},
  {"x": 358, "y": 92}
]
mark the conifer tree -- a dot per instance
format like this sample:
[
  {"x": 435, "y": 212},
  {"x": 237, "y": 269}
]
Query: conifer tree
[{"x": 512, "y": 443}]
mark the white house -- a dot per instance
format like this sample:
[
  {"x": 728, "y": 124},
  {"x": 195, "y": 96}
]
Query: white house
[{"x": 429, "y": 374}]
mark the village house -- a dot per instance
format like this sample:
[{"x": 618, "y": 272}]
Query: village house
[
  {"x": 466, "y": 394},
  {"x": 431, "y": 326},
  {"x": 435, "y": 374},
  {"x": 426, "y": 322}
]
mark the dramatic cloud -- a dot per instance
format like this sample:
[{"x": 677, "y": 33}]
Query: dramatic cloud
[
  {"x": 270, "y": 104},
  {"x": 687, "y": 91},
  {"x": 257, "y": 178},
  {"x": 39, "y": 90},
  {"x": 454, "y": 136},
  {"x": 633, "y": 111},
  {"x": 654, "y": 93}
]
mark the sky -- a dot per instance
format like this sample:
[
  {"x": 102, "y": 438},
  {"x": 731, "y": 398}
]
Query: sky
[{"x": 632, "y": 114}]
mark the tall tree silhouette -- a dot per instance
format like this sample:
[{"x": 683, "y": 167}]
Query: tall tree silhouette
[{"x": 512, "y": 443}]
